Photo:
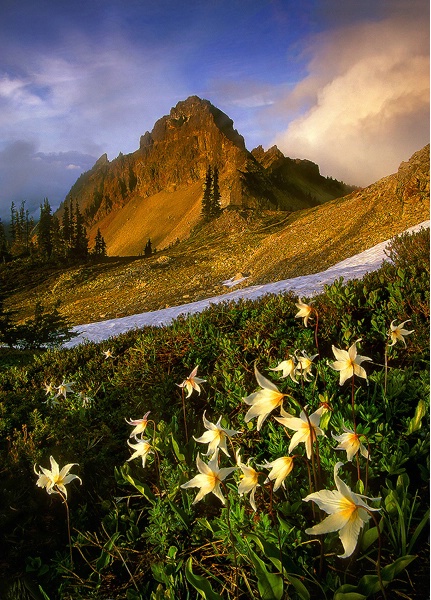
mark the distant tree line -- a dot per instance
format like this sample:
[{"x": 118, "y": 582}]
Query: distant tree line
[
  {"x": 52, "y": 238},
  {"x": 211, "y": 205}
]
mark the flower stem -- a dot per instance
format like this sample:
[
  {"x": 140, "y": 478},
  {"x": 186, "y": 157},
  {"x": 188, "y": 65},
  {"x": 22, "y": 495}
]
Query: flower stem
[
  {"x": 184, "y": 415},
  {"x": 379, "y": 554},
  {"x": 231, "y": 538},
  {"x": 68, "y": 527}
]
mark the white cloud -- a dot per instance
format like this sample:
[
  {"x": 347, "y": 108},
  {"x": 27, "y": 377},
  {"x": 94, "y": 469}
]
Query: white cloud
[{"x": 365, "y": 101}]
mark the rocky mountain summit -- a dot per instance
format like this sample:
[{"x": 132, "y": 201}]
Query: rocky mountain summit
[{"x": 156, "y": 191}]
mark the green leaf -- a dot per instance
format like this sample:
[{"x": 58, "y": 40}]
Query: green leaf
[
  {"x": 181, "y": 457},
  {"x": 371, "y": 536},
  {"x": 369, "y": 584},
  {"x": 143, "y": 488},
  {"x": 418, "y": 530},
  {"x": 200, "y": 584},
  {"x": 391, "y": 571},
  {"x": 270, "y": 585},
  {"x": 300, "y": 588},
  {"x": 416, "y": 420},
  {"x": 349, "y": 595}
]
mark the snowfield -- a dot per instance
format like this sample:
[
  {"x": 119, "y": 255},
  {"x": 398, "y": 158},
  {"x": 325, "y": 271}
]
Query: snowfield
[{"x": 305, "y": 287}]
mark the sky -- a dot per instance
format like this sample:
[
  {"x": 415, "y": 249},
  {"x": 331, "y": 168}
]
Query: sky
[{"x": 344, "y": 84}]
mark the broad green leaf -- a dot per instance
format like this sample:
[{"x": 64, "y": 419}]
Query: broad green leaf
[
  {"x": 416, "y": 420},
  {"x": 349, "y": 596},
  {"x": 200, "y": 584},
  {"x": 270, "y": 585},
  {"x": 300, "y": 588},
  {"x": 143, "y": 488},
  {"x": 177, "y": 450},
  {"x": 369, "y": 538},
  {"x": 391, "y": 571}
]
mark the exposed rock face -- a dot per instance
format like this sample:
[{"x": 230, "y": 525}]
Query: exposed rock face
[{"x": 173, "y": 159}]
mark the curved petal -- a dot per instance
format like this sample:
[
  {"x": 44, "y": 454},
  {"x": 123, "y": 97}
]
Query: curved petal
[
  {"x": 349, "y": 534},
  {"x": 334, "y": 522},
  {"x": 264, "y": 382}
]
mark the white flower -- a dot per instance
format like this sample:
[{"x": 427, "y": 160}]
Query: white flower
[
  {"x": 307, "y": 430},
  {"x": 305, "y": 363},
  {"x": 54, "y": 480},
  {"x": 142, "y": 449},
  {"x": 138, "y": 424},
  {"x": 108, "y": 354},
  {"x": 288, "y": 368},
  {"x": 249, "y": 481},
  {"x": 348, "y": 363},
  {"x": 280, "y": 469},
  {"x": 347, "y": 513},
  {"x": 209, "y": 478},
  {"x": 351, "y": 443},
  {"x": 64, "y": 388},
  {"x": 192, "y": 383},
  {"x": 397, "y": 333},
  {"x": 215, "y": 437},
  {"x": 305, "y": 311},
  {"x": 264, "y": 401},
  {"x": 49, "y": 388}
]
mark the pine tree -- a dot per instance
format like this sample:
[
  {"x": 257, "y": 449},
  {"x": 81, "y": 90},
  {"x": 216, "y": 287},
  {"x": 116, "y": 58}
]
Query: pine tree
[
  {"x": 44, "y": 230},
  {"x": 215, "y": 196},
  {"x": 99, "y": 244},
  {"x": 206, "y": 200},
  {"x": 148, "y": 249},
  {"x": 4, "y": 246},
  {"x": 80, "y": 239},
  {"x": 211, "y": 206}
]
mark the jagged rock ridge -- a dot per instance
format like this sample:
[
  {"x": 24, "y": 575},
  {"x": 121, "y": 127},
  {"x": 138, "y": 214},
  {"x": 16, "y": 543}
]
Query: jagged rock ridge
[{"x": 156, "y": 191}]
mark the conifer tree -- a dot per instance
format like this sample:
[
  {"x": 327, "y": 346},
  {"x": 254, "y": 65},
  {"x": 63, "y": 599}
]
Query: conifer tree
[
  {"x": 99, "y": 244},
  {"x": 215, "y": 196},
  {"x": 148, "y": 249},
  {"x": 206, "y": 200},
  {"x": 4, "y": 246},
  {"x": 44, "y": 230},
  {"x": 80, "y": 239}
]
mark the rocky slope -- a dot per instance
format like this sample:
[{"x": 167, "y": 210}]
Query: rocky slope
[
  {"x": 156, "y": 192},
  {"x": 266, "y": 245}
]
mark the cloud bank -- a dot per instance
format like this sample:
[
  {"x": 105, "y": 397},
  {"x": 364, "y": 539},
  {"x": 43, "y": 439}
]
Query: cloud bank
[{"x": 365, "y": 101}]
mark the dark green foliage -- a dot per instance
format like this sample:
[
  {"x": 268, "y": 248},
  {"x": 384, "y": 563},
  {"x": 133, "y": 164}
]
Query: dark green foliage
[
  {"x": 99, "y": 244},
  {"x": 136, "y": 534},
  {"x": 148, "y": 251},
  {"x": 44, "y": 330},
  {"x": 211, "y": 206}
]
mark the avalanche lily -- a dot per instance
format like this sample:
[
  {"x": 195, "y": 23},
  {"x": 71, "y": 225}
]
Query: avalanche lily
[
  {"x": 280, "y": 469},
  {"x": 351, "y": 443},
  {"x": 347, "y": 512},
  {"x": 305, "y": 311},
  {"x": 307, "y": 430},
  {"x": 305, "y": 363},
  {"x": 215, "y": 437},
  {"x": 249, "y": 482},
  {"x": 192, "y": 383},
  {"x": 139, "y": 424},
  {"x": 142, "y": 449},
  {"x": 54, "y": 480},
  {"x": 264, "y": 401},
  {"x": 209, "y": 478},
  {"x": 287, "y": 367},
  {"x": 64, "y": 388},
  {"x": 108, "y": 353},
  {"x": 397, "y": 333},
  {"x": 348, "y": 363}
]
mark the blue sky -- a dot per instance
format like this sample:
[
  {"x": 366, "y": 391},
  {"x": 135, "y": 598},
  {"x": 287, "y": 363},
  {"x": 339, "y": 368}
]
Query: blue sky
[{"x": 345, "y": 84}]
